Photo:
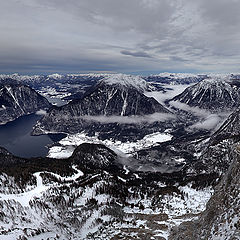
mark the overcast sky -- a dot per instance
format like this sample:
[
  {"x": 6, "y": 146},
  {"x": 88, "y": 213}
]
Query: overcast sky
[{"x": 142, "y": 36}]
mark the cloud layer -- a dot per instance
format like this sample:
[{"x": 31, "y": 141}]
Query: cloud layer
[
  {"x": 151, "y": 118},
  {"x": 121, "y": 36}
]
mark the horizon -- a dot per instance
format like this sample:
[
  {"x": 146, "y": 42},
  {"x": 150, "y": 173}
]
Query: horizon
[{"x": 131, "y": 73}]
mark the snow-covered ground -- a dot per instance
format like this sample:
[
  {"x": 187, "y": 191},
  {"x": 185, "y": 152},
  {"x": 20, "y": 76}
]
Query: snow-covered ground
[
  {"x": 177, "y": 207},
  {"x": 25, "y": 197},
  {"x": 69, "y": 143},
  {"x": 155, "y": 219},
  {"x": 127, "y": 81}
]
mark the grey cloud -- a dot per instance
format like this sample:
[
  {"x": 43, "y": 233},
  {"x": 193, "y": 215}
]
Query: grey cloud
[
  {"x": 223, "y": 13},
  {"x": 207, "y": 120},
  {"x": 209, "y": 123},
  {"x": 74, "y": 35},
  {"x": 178, "y": 59},
  {"x": 136, "y": 54},
  {"x": 194, "y": 110}
]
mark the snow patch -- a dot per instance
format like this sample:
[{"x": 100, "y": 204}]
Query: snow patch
[
  {"x": 126, "y": 81},
  {"x": 41, "y": 112},
  {"x": 24, "y": 198}
]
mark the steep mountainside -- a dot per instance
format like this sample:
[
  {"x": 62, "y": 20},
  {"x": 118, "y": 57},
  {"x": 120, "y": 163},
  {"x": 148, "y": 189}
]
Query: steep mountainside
[
  {"x": 213, "y": 94},
  {"x": 17, "y": 100},
  {"x": 216, "y": 153},
  {"x": 115, "y": 97},
  {"x": 87, "y": 196},
  {"x": 220, "y": 220},
  {"x": 230, "y": 128}
]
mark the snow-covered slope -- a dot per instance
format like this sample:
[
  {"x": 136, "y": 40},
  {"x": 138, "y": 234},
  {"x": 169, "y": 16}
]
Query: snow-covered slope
[
  {"x": 71, "y": 199},
  {"x": 127, "y": 81},
  {"x": 220, "y": 220},
  {"x": 214, "y": 94}
]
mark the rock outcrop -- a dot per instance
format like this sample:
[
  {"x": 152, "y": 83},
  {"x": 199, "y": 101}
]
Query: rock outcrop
[
  {"x": 220, "y": 220},
  {"x": 17, "y": 100}
]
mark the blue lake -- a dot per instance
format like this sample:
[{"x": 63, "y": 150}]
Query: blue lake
[{"x": 16, "y": 137}]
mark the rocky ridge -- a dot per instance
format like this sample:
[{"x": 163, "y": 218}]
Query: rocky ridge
[
  {"x": 220, "y": 220},
  {"x": 17, "y": 100},
  {"x": 213, "y": 94}
]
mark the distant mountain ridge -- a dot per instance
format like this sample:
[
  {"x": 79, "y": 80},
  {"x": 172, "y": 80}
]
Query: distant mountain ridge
[{"x": 176, "y": 78}]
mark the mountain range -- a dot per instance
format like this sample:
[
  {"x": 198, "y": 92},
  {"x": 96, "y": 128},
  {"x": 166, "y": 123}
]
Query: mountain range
[{"x": 138, "y": 168}]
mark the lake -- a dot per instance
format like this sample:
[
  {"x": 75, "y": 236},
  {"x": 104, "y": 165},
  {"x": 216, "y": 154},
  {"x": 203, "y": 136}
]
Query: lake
[{"x": 16, "y": 137}]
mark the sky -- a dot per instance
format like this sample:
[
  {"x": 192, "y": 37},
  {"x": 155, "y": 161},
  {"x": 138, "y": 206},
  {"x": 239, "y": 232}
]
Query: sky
[{"x": 128, "y": 36}]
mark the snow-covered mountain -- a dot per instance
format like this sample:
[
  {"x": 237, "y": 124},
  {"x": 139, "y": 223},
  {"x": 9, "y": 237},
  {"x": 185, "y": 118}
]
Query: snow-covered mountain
[
  {"x": 17, "y": 100},
  {"x": 114, "y": 100},
  {"x": 126, "y": 81},
  {"x": 215, "y": 155},
  {"x": 230, "y": 128},
  {"x": 214, "y": 94}
]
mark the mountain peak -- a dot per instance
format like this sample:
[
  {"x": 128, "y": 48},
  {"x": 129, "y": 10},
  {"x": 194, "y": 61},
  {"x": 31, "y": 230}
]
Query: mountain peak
[
  {"x": 55, "y": 76},
  {"x": 125, "y": 80},
  {"x": 214, "y": 94}
]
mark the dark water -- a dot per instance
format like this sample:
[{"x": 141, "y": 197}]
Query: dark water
[{"x": 16, "y": 137}]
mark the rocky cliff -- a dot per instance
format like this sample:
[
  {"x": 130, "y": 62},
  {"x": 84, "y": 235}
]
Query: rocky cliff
[
  {"x": 220, "y": 220},
  {"x": 17, "y": 100}
]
